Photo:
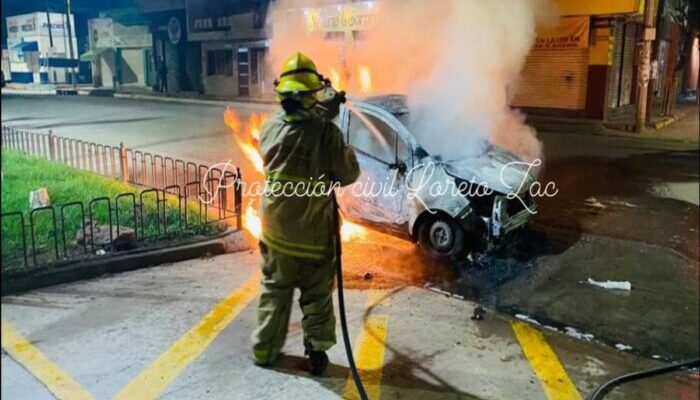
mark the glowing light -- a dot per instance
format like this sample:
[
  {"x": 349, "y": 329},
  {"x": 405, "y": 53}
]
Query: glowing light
[
  {"x": 350, "y": 231},
  {"x": 336, "y": 81},
  {"x": 365, "y": 79},
  {"x": 251, "y": 221},
  {"x": 247, "y": 135}
]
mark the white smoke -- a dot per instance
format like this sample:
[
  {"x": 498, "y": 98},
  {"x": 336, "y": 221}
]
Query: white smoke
[{"x": 457, "y": 60}]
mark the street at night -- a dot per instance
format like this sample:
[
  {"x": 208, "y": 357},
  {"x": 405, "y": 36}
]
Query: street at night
[{"x": 133, "y": 270}]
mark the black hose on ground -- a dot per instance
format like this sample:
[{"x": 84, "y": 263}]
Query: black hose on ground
[
  {"x": 647, "y": 373},
  {"x": 341, "y": 302}
]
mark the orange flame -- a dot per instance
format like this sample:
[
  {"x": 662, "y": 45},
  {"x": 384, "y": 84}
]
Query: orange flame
[
  {"x": 247, "y": 137},
  {"x": 365, "y": 77},
  {"x": 336, "y": 81},
  {"x": 255, "y": 123},
  {"x": 251, "y": 221}
]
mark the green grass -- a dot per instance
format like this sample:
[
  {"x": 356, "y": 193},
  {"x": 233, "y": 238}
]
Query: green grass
[{"x": 23, "y": 173}]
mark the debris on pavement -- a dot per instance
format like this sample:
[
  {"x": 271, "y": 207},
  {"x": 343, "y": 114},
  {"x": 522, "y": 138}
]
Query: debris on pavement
[
  {"x": 575, "y": 333},
  {"x": 593, "y": 202},
  {"x": 528, "y": 319},
  {"x": 623, "y": 347},
  {"x": 612, "y": 285},
  {"x": 622, "y": 203},
  {"x": 478, "y": 314}
]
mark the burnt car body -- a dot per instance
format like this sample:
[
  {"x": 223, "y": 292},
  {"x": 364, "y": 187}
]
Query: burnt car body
[{"x": 445, "y": 224}]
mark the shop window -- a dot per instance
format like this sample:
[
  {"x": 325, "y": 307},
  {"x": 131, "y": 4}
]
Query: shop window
[{"x": 220, "y": 62}]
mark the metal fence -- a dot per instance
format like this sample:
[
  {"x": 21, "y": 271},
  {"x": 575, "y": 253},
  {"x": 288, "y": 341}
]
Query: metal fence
[{"x": 180, "y": 198}]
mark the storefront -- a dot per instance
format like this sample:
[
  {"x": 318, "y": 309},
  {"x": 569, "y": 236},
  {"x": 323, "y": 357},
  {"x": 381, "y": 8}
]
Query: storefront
[
  {"x": 120, "y": 54},
  {"x": 555, "y": 74},
  {"x": 233, "y": 47},
  {"x": 174, "y": 59},
  {"x": 586, "y": 65},
  {"x": 39, "y": 54}
]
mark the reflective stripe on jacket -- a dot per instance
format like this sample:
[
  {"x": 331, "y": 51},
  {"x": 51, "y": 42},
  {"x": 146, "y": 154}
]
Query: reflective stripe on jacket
[{"x": 307, "y": 151}]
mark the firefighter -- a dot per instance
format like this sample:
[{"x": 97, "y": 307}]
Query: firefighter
[{"x": 299, "y": 146}]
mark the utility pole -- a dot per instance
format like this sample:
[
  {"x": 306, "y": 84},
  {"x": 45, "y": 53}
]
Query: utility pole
[
  {"x": 645, "y": 67},
  {"x": 70, "y": 44},
  {"x": 51, "y": 48},
  {"x": 660, "y": 6}
]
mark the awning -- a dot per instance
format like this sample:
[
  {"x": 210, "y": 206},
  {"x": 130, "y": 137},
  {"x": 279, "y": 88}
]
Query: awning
[
  {"x": 92, "y": 54},
  {"x": 25, "y": 46}
]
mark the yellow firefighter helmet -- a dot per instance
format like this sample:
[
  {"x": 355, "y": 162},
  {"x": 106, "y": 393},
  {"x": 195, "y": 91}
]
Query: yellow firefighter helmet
[{"x": 299, "y": 75}]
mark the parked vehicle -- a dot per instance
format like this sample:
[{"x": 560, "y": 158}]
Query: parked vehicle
[{"x": 444, "y": 224}]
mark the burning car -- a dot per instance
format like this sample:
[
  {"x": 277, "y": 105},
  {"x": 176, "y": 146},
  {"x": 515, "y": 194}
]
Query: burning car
[{"x": 487, "y": 197}]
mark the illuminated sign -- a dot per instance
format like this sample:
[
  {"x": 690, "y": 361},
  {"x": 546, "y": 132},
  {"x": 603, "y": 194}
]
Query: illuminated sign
[{"x": 340, "y": 18}]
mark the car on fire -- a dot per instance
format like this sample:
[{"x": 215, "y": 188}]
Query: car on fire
[{"x": 445, "y": 223}]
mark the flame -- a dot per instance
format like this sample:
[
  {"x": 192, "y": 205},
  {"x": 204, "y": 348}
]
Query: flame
[
  {"x": 349, "y": 231},
  {"x": 255, "y": 123},
  {"x": 336, "y": 81},
  {"x": 365, "y": 78},
  {"x": 247, "y": 135},
  {"x": 251, "y": 221}
]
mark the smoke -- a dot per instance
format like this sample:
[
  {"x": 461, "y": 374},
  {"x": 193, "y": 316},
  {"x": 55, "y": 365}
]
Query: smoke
[{"x": 457, "y": 60}]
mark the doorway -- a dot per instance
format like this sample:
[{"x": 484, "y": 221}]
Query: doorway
[{"x": 251, "y": 67}]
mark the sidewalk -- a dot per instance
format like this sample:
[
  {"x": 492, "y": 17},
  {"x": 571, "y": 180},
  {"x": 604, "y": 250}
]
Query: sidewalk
[
  {"x": 183, "y": 331},
  {"x": 191, "y": 98},
  {"x": 137, "y": 93},
  {"x": 682, "y": 126}
]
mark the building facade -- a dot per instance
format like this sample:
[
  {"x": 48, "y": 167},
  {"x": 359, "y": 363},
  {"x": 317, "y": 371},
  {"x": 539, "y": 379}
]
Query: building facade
[
  {"x": 587, "y": 65},
  {"x": 234, "y": 45},
  {"x": 120, "y": 54},
  {"x": 41, "y": 48},
  {"x": 175, "y": 58}
]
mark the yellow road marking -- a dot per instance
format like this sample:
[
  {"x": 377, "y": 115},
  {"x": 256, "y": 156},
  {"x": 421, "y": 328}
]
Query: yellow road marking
[
  {"x": 56, "y": 381},
  {"x": 369, "y": 350},
  {"x": 369, "y": 358},
  {"x": 555, "y": 382},
  {"x": 376, "y": 297},
  {"x": 151, "y": 382}
]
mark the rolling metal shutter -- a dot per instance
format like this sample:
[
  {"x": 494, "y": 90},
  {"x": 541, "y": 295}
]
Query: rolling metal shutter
[
  {"x": 554, "y": 79},
  {"x": 622, "y": 72}
]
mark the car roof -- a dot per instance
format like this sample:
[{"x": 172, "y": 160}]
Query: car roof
[{"x": 393, "y": 103}]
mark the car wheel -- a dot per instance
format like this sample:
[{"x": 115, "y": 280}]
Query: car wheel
[{"x": 442, "y": 237}]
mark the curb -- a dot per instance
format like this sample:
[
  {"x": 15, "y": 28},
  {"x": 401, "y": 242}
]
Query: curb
[
  {"x": 181, "y": 100},
  {"x": 22, "y": 92},
  {"x": 250, "y": 105},
  {"x": 29, "y": 279}
]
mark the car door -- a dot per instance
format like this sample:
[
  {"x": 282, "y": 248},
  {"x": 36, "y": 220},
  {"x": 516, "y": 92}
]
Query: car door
[{"x": 378, "y": 196}]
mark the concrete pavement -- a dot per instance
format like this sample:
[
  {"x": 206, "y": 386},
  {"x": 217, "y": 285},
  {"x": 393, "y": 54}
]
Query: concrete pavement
[{"x": 163, "y": 332}]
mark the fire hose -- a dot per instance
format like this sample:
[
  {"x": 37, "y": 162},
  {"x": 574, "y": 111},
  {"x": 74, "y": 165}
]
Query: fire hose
[
  {"x": 605, "y": 388},
  {"x": 341, "y": 302},
  {"x": 329, "y": 109}
]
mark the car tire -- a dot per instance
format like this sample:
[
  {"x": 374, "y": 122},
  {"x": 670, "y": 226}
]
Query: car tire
[{"x": 442, "y": 237}]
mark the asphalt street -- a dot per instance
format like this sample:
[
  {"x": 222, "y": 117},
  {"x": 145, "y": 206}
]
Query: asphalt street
[
  {"x": 187, "y": 131},
  {"x": 627, "y": 210}
]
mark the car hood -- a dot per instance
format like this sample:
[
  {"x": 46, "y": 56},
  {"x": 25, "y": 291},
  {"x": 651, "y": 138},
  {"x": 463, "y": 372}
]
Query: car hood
[{"x": 501, "y": 170}]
